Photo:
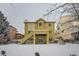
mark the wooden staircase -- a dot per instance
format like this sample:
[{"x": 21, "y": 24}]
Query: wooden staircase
[{"x": 26, "y": 38}]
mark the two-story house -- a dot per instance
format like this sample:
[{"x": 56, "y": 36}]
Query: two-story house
[{"x": 39, "y": 32}]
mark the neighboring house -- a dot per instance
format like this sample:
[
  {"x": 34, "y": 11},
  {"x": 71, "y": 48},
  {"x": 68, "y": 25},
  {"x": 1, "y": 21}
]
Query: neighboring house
[
  {"x": 12, "y": 32},
  {"x": 19, "y": 36},
  {"x": 39, "y": 32},
  {"x": 75, "y": 35},
  {"x": 66, "y": 26},
  {"x": 13, "y": 35}
]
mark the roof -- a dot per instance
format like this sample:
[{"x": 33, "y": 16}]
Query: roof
[
  {"x": 12, "y": 26},
  {"x": 26, "y": 21}
]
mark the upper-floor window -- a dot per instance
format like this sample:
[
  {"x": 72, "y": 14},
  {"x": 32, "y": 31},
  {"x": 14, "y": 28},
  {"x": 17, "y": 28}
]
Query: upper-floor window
[
  {"x": 50, "y": 31},
  {"x": 49, "y": 24},
  {"x": 29, "y": 31},
  {"x": 62, "y": 30},
  {"x": 58, "y": 28},
  {"x": 40, "y": 24}
]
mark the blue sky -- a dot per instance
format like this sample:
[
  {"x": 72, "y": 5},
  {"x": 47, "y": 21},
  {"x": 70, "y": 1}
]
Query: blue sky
[{"x": 17, "y": 13}]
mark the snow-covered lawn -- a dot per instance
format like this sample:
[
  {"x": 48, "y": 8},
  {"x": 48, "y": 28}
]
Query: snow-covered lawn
[{"x": 43, "y": 49}]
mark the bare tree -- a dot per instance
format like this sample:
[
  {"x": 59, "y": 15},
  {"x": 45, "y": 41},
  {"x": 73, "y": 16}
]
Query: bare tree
[
  {"x": 69, "y": 8},
  {"x": 72, "y": 8}
]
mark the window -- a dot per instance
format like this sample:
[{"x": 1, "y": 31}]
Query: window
[
  {"x": 50, "y": 31},
  {"x": 58, "y": 28},
  {"x": 62, "y": 30},
  {"x": 40, "y": 24},
  {"x": 61, "y": 25},
  {"x": 58, "y": 32},
  {"x": 41, "y": 40},
  {"x": 50, "y": 39},
  {"x": 49, "y": 24},
  {"x": 29, "y": 31}
]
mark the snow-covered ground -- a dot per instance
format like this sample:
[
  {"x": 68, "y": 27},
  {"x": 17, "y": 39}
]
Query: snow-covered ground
[{"x": 44, "y": 50}]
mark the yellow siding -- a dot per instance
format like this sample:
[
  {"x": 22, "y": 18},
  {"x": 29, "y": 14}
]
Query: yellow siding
[{"x": 39, "y": 27}]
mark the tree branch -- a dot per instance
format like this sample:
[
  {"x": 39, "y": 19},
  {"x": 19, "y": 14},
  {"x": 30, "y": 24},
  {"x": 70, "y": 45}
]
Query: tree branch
[
  {"x": 75, "y": 9},
  {"x": 55, "y": 9}
]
